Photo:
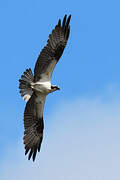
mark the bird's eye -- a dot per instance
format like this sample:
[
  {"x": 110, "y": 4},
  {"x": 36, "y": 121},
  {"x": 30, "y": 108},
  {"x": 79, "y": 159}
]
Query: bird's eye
[{"x": 52, "y": 87}]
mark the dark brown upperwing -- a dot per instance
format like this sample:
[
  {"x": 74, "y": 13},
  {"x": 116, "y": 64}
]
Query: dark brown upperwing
[
  {"x": 53, "y": 50},
  {"x": 34, "y": 125}
]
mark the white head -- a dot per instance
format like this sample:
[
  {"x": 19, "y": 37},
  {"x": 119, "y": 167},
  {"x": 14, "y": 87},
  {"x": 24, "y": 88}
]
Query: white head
[{"x": 54, "y": 88}]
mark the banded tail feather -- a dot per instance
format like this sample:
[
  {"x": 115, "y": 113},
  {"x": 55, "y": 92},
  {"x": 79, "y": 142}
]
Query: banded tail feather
[{"x": 25, "y": 84}]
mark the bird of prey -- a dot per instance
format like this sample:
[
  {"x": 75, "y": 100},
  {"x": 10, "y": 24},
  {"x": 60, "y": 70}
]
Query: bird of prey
[{"x": 35, "y": 87}]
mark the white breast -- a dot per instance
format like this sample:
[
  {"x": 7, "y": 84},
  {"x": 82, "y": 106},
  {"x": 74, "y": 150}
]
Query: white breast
[{"x": 43, "y": 87}]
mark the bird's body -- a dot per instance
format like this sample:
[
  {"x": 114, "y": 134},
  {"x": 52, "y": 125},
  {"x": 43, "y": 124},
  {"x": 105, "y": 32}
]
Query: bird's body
[
  {"x": 35, "y": 88},
  {"x": 43, "y": 87}
]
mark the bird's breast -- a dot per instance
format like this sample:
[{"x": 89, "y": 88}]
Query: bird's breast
[{"x": 43, "y": 87}]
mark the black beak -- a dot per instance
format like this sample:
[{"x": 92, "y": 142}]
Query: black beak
[{"x": 58, "y": 88}]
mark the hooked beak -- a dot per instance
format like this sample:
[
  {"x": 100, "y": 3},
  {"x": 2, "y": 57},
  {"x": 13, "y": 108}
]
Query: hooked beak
[{"x": 58, "y": 88}]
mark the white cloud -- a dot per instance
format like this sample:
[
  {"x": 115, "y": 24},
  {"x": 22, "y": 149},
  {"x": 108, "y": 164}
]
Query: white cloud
[{"x": 81, "y": 141}]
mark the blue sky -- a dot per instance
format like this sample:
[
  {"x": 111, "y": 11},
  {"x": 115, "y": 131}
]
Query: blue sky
[{"x": 88, "y": 74}]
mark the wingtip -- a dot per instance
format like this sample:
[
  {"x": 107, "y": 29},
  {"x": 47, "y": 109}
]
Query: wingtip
[
  {"x": 59, "y": 22},
  {"x": 65, "y": 15},
  {"x": 30, "y": 154},
  {"x": 64, "y": 21},
  {"x": 68, "y": 20},
  {"x": 26, "y": 149},
  {"x": 34, "y": 154},
  {"x": 69, "y": 17}
]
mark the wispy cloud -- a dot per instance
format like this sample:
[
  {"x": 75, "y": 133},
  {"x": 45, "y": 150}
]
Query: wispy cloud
[{"x": 81, "y": 141}]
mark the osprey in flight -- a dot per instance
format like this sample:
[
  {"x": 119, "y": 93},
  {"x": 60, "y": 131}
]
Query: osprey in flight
[{"x": 35, "y": 87}]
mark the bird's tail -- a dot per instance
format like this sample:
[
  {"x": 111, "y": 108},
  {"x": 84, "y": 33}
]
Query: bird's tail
[{"x": 25, "y": 84}]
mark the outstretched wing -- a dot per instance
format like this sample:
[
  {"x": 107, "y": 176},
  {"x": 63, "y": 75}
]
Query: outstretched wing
[
  {"x": 33, "y": 124},
  {"x": 52, "y": 52}
]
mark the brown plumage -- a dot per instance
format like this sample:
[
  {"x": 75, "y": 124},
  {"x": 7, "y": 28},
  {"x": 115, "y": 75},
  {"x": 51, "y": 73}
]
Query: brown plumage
[{"x": 54, "y": 48}]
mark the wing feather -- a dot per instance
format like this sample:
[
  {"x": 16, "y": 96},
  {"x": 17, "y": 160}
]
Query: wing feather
[
  {"x": 34, "y": 125},
  {"x": 52, "y": 52}
]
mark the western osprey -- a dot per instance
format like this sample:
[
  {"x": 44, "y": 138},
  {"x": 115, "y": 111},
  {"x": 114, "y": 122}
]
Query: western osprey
[{"x": 35, "y": 88}]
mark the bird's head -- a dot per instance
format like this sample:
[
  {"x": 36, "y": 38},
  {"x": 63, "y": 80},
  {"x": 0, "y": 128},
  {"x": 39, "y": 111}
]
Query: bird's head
[{"x": 54, "y": 88}]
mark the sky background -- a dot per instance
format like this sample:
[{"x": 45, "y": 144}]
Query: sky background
[{"x": 82, "y": 121}]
